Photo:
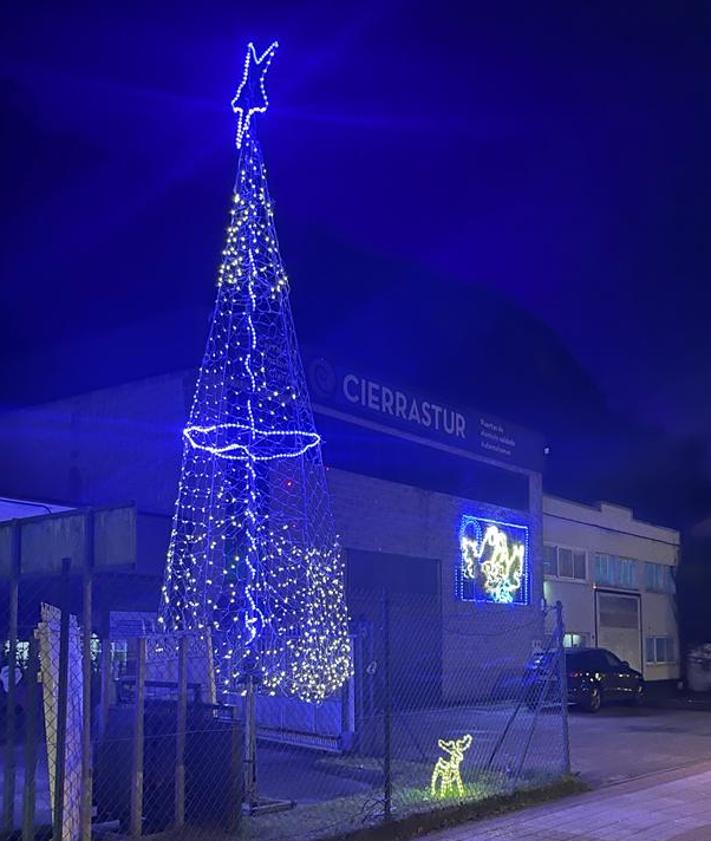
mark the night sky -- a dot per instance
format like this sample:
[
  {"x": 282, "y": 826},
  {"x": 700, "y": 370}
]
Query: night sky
[{"x": 505, "y": 203}]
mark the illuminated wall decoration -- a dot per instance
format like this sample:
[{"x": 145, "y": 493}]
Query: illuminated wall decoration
[
  {"x": 253, "y": 553},
  {"x": 493, "y": 562},
  {"x": 446, "y": 776}
]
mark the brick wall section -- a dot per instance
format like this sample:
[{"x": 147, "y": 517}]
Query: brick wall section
[{"x": 479, "y": 642}]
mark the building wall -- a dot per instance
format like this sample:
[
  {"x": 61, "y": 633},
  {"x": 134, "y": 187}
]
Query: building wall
[
  {"x": 380, "y": 516},
  {"x": 124, "y": 444},
  {"x": 612, "y": 530},
  {"x": 105, "y": 447}
]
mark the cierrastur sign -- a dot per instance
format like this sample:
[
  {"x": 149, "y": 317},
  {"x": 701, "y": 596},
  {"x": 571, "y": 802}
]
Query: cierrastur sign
[
  {"x": 359, "y": 396},
  {"x": 398, "y": 404}
]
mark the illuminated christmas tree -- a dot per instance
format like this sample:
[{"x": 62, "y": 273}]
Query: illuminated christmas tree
[{"x": 253, "y": 554}]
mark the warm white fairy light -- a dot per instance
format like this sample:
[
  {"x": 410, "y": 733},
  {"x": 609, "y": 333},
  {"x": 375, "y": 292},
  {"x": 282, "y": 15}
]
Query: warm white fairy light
[
  {"x": 446, "y": 775},
  {"x": 253, "y": 554},
  {"x": 491, "y": 557}
]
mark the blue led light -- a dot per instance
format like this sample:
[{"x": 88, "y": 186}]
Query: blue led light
[
  {"x": 493, "y": 561},
  {"x": 251, "y": 96}
]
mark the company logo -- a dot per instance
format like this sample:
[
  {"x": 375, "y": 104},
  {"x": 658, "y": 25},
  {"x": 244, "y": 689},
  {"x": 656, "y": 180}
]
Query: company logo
[{"x": 322, "y": 378}]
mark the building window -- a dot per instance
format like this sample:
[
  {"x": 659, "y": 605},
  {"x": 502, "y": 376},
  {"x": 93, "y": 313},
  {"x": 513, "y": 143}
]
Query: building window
[
  {"x": 615, "y": 571},
  {"x": 659, "y": 578},
  {"x": 575, "y": 640},
  {"x": 550, "y": 560},
  {"x": 560, "y": 562},
  {"x": 660, "y": 650}
]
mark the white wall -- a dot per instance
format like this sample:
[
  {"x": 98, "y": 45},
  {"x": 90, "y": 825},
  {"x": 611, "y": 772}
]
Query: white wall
[
  {"x": 613, "y": 530},
  {"x": 578, "y": 603}
]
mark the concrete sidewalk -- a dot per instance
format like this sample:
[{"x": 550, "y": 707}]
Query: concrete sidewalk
[{"x": 666, "y": 806}]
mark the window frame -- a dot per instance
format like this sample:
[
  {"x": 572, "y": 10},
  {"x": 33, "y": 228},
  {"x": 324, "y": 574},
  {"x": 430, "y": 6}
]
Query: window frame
[
  {"x": 573, "y": 551},
  {"x": 545, "y": 571},
  {"x": 665, "y": 572},
  {"x": 584, "y": 640},
  {"x": 670, "y": 644},
  {"x": 620, "y": 563}
]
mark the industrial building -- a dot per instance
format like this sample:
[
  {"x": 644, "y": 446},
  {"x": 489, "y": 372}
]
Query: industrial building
[
  {"x": 615, "y": 576},
  {"x": 419, "y": 489}
]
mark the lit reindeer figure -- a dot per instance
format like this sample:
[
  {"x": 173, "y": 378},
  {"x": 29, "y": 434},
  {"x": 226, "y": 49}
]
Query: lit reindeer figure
[{"x": 446, "y": 772}]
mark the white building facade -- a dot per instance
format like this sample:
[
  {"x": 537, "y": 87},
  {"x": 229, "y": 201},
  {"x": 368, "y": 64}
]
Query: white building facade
[{"x": 615, "y": 577}]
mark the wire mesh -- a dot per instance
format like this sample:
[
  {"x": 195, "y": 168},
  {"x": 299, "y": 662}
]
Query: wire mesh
[
  {"x": 439, "y": 712},
  {"x": 253, "y": 555}
]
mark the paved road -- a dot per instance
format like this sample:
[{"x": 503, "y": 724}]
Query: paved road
[
  {"x": 620, "y": 743},
  {"x": 652, "y": 772},
  {"x": 666, "y": 806}
]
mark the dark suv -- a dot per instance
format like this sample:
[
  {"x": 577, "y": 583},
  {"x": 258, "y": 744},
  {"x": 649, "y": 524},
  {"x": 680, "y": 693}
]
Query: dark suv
[{"x": 594, "y": 676}]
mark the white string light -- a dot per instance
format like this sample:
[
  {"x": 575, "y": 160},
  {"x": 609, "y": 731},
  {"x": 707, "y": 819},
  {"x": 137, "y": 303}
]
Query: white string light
[
  {"x": 253, "y": 555},
  {"x": 243, "y": 103}
]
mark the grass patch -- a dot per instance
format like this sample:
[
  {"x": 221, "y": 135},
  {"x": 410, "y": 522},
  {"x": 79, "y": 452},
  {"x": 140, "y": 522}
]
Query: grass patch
[
  {"x": 370, "y": 768},
  {"x": 358, "y": 818}
]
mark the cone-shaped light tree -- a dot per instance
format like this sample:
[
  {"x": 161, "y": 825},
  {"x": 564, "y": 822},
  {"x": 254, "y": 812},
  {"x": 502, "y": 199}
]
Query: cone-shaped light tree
[{"x": 253, "y": 554}]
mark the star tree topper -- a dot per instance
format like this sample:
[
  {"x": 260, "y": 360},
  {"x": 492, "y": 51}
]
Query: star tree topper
[{"x": 251, "y": 96}]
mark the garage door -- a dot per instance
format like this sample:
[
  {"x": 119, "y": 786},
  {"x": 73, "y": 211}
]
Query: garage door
[
  {"x": 618, "y": 626},
  {"x": 415, "y": 619}
]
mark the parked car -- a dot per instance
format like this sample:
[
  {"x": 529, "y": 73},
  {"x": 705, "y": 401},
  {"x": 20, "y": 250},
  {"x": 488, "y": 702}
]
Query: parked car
[{"x": 595, "y": 676}]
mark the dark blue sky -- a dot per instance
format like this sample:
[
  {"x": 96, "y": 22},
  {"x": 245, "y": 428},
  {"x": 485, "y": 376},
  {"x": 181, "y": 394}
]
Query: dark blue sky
[{"x": 554, "y": 156}]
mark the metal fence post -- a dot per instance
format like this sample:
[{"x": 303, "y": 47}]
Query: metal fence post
[
  {"x": 86, "y": 757},
  {"x": 10, "y": 758},
  {"x": 250, "y": 744},
  {"x": 106, "y": 681},
  {"x": 137, "y": 769},
  {"x": 62, "y": 704},
  {"x": 387, "y": 711},
  {"x": 31, "y": 735},
  {"x": 181, "y": 726},
  {"x": 563, "y": 682},
  {"x": 235, "y": 808}
]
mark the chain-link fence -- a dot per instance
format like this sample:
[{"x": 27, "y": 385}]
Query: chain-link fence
[{"x": 111, "y": 729}]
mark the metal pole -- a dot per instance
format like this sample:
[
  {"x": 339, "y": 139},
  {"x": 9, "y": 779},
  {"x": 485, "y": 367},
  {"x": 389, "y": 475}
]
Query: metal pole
[
  {"x": 372, "y": 687},
  {"x": 250, "y": 743},
  {"x": 30, "y": 789},
  {"x": 387, "y": 712},
  {"x": 137, "y": 770},
  {"x": 86, "y": 757},
  {"x": 563, "y": 680},
  {"x": 235, "y": 806},
  {"x": 10, "y": 758},
  {"x": 180, "y": 729},
  {"x": 63, "y": 696},
  {"x": 105, "y": 681}
]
